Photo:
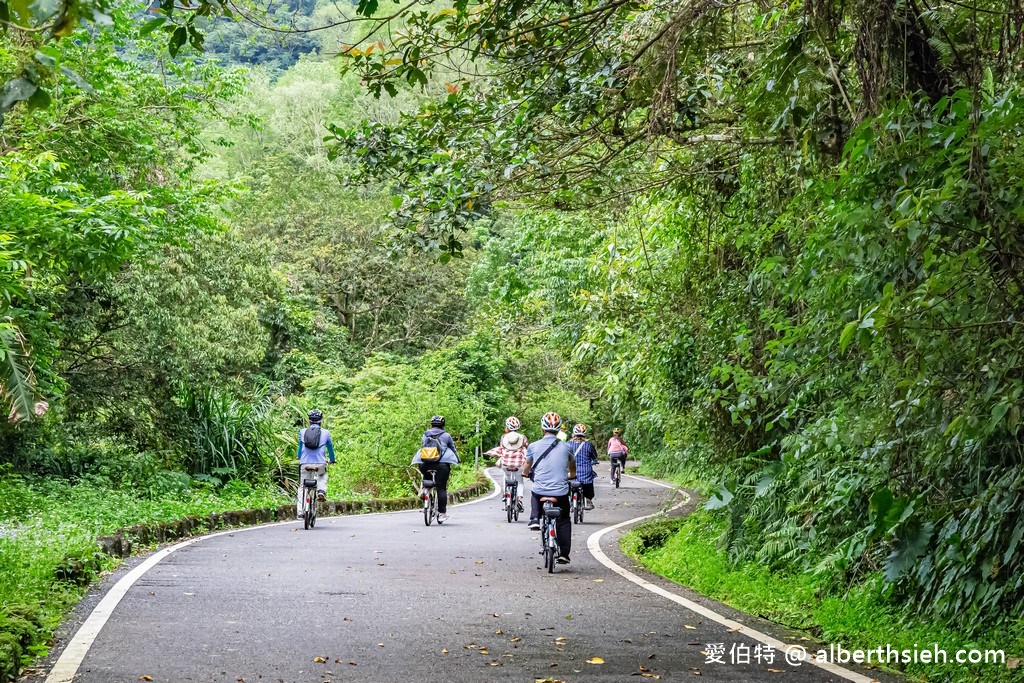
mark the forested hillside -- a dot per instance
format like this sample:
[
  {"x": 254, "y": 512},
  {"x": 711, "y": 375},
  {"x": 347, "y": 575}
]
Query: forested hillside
[{"x": 778, "y": 244}]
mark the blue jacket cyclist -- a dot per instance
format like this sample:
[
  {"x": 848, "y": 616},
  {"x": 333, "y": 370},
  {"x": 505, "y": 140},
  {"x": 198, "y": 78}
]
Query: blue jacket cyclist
[
  {"x": 585, "y": 455},
  {"x": 549, "y": 463},
  {"x": 317, "y": 456},
  {"x": 437, "y": 437}
]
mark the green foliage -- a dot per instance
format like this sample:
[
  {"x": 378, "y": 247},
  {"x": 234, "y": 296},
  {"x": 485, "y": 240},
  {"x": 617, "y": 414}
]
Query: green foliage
[
  {"x": 690, "y": 551},
  {"x": 229, "y": 435}
]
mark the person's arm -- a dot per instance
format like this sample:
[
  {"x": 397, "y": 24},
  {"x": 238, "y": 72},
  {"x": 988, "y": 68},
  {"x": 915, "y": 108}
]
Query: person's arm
[
  {"x": 299, "y": 454},
  {"x": 527, "y": 465},
  {"x": 449, "y": 442},
  {"x": 572, "y": 467},
  {"x": 330, "y": 450}
]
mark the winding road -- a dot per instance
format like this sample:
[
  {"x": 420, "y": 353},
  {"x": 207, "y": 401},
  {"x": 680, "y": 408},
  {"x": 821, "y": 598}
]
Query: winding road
[{"x": 382, "y": 598}]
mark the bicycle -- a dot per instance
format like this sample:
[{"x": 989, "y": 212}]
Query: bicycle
[
  {"x": 428, "y": 493},
  {"x": 576, "y": 502},
  {"x": 511, "y": 500},
  {"x": 616, "y": 474},
  {"x": 548, "y": 536},
  {"x": 309, "y": 496}
]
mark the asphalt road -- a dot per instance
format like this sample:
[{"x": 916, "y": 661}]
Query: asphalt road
[{"x": 383, "y": 598}]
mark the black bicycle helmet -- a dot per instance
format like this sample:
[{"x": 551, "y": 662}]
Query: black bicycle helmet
[
  {"x": 315, "y": 416},
  {"x": 437, "y": 421}
]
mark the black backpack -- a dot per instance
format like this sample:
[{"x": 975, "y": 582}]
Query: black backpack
[{"x": 311, "y": 437}]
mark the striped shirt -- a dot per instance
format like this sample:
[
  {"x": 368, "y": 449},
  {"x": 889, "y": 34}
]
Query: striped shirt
[{"x": 586, "y": 456}]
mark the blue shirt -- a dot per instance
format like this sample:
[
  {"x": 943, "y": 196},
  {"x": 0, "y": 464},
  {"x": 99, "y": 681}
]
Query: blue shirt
[
  {"x": 448, "y": 452},
  {"x": 315, "y": 456},
  {"x": 550, "y": 475},
  {"x": 586, "y": 456}
]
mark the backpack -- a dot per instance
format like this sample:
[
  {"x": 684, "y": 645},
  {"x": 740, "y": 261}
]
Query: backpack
[
  {"x": 431, "y": 453},
  {"x": 311, "y": 437}
]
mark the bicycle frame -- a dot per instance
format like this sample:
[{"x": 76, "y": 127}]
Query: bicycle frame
[{"x": 549, "y": 536}]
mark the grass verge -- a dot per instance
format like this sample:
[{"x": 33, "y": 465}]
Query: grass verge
[{"x": 687, "y": 551}]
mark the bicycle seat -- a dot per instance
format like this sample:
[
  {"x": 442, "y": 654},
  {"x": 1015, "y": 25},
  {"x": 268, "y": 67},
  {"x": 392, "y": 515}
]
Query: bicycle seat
[
  {"x": 551, "y": 511},
  {"x": 309, "y": 483},
  {"x": 511, "y": 469},
  {"x": 429, "y": 483},
  {"x": 548, "y": 499},
  {"x": 312, "y": 468}
]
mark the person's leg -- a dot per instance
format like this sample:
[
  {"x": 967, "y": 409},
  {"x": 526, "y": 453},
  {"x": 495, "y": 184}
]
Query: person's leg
[
  {"x": 519, "y": 488},
  {"x": 563, "y": 527},
  {"x": 298, "y": 499},
  {"x": 588, "y": 493},
  {"x": 321, "y": 482},
  {"x": 444, "y": 470},
  {"x": 534, "y": 507}
]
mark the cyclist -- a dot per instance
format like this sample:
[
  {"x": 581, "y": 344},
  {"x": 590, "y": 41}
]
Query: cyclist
[
  {"x": 550, "y": 465},
  {"x": 437, "y": 437},
  {"x": 315, "y": 448},
  {"x": 585, "y": 456},
  {"x": 511, "y": 452},
  {"x": 617, "y": 448}
]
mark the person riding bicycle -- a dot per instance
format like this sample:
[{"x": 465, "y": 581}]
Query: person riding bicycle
[
  {"x": 315, "y": 448},
  {"x": 585, "y": 456},
  {"x": 438, "y": 454},
  {"x": 617, "y": 449},
  {"x": 511, "y": 453},
  {"x": 550, "y": 465}
]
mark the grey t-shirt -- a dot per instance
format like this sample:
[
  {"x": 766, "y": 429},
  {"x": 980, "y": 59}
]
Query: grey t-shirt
[{"x": 550, "y": 477}]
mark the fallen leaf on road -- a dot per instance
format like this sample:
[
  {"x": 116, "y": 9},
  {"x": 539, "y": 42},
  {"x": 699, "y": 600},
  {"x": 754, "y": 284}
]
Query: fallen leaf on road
[
  {"x": 145, "y": 678},
  {"x": 484, "y": 651},
  {"x": 560, "y": 639},
  {"x": 627, "y": 640},
  {"x": 595, "y": 660},
  {"x": 498, "y": 632},
  {"x": 692, "y": 628},
  {"x": 548, "y": 680},
  {"x": 347, "y": 619},
  {"x": 380, "y": 644},
  {"x": 494, "y": 663},
  {"x": 444, "y": 651},
  {"x": 734, "y": 630},
  {"x": 471, "y": 646},
  {"x": 598, "y": 580},
  {"x": 319, "y": 660},
  {"x": 568, "y": 616},
  {"x": 776, "y": 671},
  {"x": 479, "y": 562},
  {"x": 516, "y": 639},
  {"x": 496, "y": 615}
]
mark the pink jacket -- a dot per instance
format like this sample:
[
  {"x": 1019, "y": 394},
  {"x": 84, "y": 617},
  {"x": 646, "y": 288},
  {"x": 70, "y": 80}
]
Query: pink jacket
[{"x": 617, "y": 446}]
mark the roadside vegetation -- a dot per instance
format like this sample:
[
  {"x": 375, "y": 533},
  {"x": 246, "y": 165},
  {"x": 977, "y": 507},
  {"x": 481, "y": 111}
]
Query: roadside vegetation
[{"x": 778, "y": 244}]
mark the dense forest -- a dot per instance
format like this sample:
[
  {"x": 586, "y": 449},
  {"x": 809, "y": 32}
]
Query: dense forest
[{"x": 776, "y": 243}]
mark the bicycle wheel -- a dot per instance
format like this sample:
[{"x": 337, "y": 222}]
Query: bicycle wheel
[
  {"x": 510, "y": 504},
  {"x": 433, "y": 504},
  {"x": 305, "y": 509},
  {"x": 312, "y": 509},
  {"x": 549, "y": 559},
  {"x": 427, "y": 519},
  {"x": 618, "y": 476}
]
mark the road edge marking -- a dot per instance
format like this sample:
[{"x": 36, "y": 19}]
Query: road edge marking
[
  {"x": 71, "y": 657},
  {"x": 66, "y": 667},
  {"x": 594, "y": 546}
]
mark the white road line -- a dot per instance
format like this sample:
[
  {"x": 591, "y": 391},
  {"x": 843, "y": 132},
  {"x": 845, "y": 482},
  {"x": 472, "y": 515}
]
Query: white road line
[
  {"x": 594, "y": 545},
  {"x": 66, "y": 667}
]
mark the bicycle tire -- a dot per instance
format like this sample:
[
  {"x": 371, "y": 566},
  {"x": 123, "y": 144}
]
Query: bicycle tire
[
  {"x": 433, "y": 505},
  {"x": 510, "y": 504},
  {"x": 549, "y": 559},
  {"x": 312, "y": 512},
  {"x": 426, "y": 510},
  {"x": 305, "y": 510}
]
